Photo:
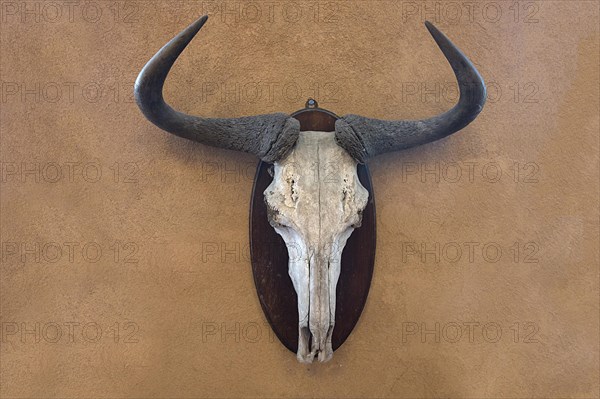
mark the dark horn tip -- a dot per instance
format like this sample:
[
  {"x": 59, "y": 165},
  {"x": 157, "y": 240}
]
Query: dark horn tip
[
  {"x": 431, "y": 28},
  {"x": 202, "y": 19},
  {"x": 438, "y": 36},
  {"x": 197, "y": 25}
]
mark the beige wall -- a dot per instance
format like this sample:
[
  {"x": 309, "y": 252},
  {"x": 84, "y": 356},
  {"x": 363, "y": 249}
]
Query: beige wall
[{"x": 109, "y": 222}]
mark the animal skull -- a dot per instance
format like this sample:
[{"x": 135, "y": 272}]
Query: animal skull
[{"x": 314, "y": 202}]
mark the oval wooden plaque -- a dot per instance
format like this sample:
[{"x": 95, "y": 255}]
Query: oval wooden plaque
[{"x": 270, "y": 258}]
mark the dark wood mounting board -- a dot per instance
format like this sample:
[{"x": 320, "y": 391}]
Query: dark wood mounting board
[{"x": 270, "y": 258}]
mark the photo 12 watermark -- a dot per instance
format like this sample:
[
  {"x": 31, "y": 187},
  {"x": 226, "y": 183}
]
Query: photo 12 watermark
[
  {"x": 69, "y": 11},
  {"x": 526, "y": 172},
  {"x": 275, "y": 12},
  {"x": 66, "y": 92},
  {"x": 29, "y": 172},
  {"x": 468, "y": 252},
  {"x": 69, "y": 252},
  {"x": 480, "y": 12},
  {"x": 431, "y": 92},
  {"x": 68, "y": 332},
  {"x": 472, "y": 332}
]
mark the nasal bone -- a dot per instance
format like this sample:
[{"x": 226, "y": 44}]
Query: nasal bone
[{"x": 320, "y": 318}]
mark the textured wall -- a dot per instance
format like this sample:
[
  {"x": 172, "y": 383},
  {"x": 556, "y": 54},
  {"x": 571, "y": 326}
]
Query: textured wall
[{"x": 125, "y": 268}]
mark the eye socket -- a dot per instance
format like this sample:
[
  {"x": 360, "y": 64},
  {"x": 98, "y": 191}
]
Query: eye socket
[
  {"x": 292, "y": 181},
  {"x": 273, "y": 215}
]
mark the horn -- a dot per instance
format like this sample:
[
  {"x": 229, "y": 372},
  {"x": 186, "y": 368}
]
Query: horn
[
  {"x": 365, "y": 137},
  {"x": 270, "y": 137}
]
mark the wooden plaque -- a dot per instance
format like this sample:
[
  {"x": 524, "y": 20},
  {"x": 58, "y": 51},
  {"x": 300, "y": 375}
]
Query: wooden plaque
[{"x": 270, "y": 258}]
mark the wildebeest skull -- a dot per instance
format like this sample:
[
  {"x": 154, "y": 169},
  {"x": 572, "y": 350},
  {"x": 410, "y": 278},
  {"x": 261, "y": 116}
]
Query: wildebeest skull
[
  {"x": 314, "y": 203},
  {"x": 315, "y": 200}
]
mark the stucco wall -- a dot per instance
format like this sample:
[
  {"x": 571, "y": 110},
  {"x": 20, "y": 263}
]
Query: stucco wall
[{"x": 125, "y": 264}]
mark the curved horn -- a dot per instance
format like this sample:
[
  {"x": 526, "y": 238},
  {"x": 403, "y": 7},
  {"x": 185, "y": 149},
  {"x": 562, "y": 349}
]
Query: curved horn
[
  {"x": 365, "y": 137},
  {"x": 269, "y": 137}
]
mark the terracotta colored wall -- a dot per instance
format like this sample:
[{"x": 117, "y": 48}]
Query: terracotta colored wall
[{"x": 125, "y": 269}]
